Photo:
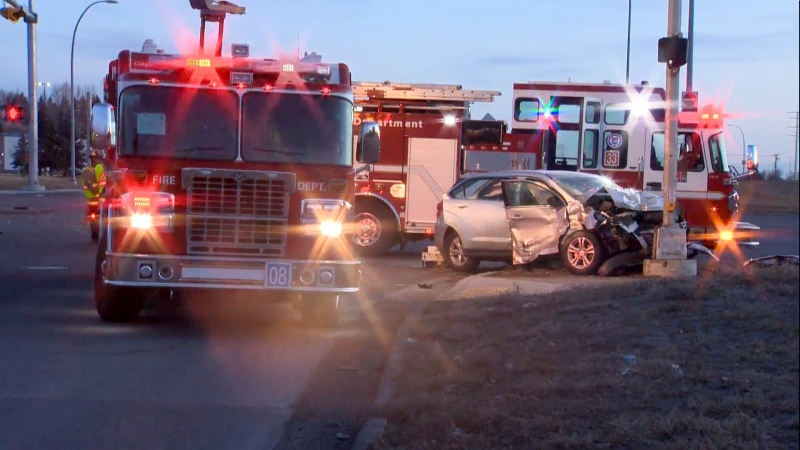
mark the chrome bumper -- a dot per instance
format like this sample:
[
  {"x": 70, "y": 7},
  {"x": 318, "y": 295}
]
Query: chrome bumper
[{"x": 198, "y": 272}]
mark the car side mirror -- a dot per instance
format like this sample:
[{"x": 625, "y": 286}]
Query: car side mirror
[
  {"x": 103, "y": 127},
  {"x": 368, "y": 149}
]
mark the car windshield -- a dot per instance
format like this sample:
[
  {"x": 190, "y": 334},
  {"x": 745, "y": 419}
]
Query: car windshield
[
  {"x": 181, "y": 123},
  {"x": 297, "y": 128},
  {"x": 583, "y": 185}
]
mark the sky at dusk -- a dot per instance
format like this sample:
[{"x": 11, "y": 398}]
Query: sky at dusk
[{"x": 746, "y": 52}]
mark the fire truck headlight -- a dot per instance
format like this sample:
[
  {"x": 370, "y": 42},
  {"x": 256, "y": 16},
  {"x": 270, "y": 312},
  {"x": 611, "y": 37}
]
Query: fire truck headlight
[
  {"x": 330, "y": 228},
  {"x": 141, "y": 221},
  {"x": 726, "y": 235}
]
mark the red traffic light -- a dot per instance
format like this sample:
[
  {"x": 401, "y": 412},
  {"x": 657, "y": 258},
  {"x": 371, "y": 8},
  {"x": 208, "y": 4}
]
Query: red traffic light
[{"x": 14, "y": 113}]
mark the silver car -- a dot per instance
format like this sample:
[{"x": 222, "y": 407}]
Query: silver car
[{"x": 517, "y": 216}]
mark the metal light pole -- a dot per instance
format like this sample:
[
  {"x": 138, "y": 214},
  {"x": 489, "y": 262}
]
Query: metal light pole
[
  {"x": 690, "y": 49},
  {"x": 744, "y": 145},
  {"x": 45, "y": 85},
  {"x": 33, "y": 104},
  {"x": 671, "y": 131},
  {"x": 628, "y": 58},
  {"x": 72, "y": 90}
]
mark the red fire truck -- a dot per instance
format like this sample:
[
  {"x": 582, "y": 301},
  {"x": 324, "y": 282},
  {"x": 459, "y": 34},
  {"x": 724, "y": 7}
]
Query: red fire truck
[
  {"x": 233, "y": 174},
  {"x": 428, "y": 140},
  {"x": 618, "y": 131}
]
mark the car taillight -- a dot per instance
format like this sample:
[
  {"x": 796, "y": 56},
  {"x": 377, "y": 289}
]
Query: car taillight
[{"x": 439, "y": 207}]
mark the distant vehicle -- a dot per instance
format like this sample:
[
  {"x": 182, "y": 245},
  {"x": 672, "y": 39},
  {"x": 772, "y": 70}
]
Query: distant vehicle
[{"x": 518, "y": 215}]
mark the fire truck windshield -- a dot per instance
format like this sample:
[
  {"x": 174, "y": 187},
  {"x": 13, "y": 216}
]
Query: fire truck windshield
[
  {"x": 296, "y": 128},
  {"x": 181, "y": 123},
  {"x": 719, "y": 157}
]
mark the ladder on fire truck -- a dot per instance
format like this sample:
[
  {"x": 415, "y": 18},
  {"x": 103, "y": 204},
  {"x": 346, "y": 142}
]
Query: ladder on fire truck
[{"x": 366, "y": 90}]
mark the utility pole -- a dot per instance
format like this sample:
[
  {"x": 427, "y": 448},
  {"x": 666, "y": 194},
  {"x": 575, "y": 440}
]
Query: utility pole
[
  {"x": 669, "y": 246},
  {"x": 33, "y": 125},
  {"x": 796, "y": 136},
  {"x": 690, "y": 50}
]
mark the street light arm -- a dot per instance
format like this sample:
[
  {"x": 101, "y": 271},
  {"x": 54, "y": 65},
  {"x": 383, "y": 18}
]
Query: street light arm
[
  {"x": 72, "y": 90},
  {"x": 744, "y": 145}
]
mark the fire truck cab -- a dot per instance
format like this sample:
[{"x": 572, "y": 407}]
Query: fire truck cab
[
  {"x": 428, "y": 139},
  {"x": 228, "y": 174},
  {"x": 618, "y": 131}
]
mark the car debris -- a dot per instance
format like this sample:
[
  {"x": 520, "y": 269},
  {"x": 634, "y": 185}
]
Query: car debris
[{"x": 773, "y": 261}]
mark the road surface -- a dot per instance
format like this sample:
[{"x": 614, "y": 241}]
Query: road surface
[{"x": 225, "y": 376}]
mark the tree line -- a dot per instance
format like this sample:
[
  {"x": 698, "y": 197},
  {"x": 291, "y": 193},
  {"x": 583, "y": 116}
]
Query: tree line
[{"x": 54, "y": 122}]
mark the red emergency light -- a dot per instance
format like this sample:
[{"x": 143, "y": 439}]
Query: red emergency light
[{"x": 707, "y": 117}]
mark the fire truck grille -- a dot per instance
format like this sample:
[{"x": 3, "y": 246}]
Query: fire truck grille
[
  {"x": 257, "y": 237},
  {"x": 223, "y": 195},
  {"x": 237, "y": 212}
]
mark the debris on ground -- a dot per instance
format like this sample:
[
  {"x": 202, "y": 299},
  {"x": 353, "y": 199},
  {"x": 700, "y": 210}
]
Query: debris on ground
[{"x": 773, "y": 261}]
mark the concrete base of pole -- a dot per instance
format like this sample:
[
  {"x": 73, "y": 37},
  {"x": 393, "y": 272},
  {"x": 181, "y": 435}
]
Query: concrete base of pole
[
  {"x": 670, "y": 268},
  {"x": 30, "y": 188}
]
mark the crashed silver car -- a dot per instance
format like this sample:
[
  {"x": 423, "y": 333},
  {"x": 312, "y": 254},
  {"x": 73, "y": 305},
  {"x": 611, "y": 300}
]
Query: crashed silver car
[{"x": 589, "y": 221}]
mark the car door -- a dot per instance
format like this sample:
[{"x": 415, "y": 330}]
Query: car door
[
  {"x": 482, "y": 212},
  {"x": 536, "y": 217}
]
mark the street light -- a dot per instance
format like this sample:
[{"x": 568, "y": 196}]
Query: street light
[
  {"x": 45, "y": 85},
  {"x": 628, "y": 58},
  {"x": 72, "y": 90},
  {"x": 744, "y": 147}
]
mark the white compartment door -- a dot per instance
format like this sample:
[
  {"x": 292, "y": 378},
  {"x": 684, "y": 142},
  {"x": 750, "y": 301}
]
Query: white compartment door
[{"x": 431, "y": 172}]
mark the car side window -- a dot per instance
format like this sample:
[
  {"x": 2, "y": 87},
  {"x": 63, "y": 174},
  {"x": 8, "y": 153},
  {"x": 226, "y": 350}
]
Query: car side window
[
  {"x": 528, "y": 193},
  {"x": 492, "y": 190},
  {"x": 465, "y": 189}
]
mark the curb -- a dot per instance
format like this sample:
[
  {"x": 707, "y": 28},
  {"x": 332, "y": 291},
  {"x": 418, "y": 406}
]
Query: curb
[{"x": 374, "y": 426}]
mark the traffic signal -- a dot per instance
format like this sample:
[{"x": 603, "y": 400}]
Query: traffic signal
[
  {"x": 13, "y": 14},
  {"x": 14, "y": 113}
]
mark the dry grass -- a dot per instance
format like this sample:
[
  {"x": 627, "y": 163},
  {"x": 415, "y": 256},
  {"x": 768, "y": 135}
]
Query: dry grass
[
  {"x": 666, "y": 364},
  {"x": 761, "y": 197},
  {"x": 13, "y": 182}
]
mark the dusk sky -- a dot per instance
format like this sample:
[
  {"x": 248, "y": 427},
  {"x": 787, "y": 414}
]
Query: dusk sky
[{"x": 746, "y": 52}]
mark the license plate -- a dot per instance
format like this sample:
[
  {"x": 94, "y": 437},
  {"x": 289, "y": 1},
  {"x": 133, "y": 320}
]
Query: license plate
[{"x": 278, "y": 275}]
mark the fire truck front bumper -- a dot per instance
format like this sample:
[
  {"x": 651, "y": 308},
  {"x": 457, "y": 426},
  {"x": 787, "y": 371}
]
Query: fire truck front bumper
[{"x": 195, "y": 272}]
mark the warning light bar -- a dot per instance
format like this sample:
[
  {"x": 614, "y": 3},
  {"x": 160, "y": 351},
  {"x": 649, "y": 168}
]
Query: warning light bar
[
  {"x": 707, "y": 118},
  {"x": 198, "y": 62}
]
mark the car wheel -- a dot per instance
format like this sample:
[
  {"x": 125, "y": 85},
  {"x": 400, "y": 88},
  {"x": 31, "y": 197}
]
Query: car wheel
[
  {"x": 582, "y": 253},
  {"x": 455, "y": 257}
]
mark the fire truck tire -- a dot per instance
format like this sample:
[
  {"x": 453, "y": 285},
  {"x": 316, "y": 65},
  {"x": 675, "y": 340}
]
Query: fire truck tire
[
  {"x": 582, "y": 253},
  {"x": 376, "y": 228},
  {"x": 320, "y": 310},
  {"x": 114, "y": 303},
  {"x": 454, "y": 256}
]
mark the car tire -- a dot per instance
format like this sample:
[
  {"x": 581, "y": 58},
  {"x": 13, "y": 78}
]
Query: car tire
[
  {"x": 582, "y": 253},
  {"x": 376, "y": 230},
  {"x": 114, "y": 304},
  {"x": 455, "y": 257}
]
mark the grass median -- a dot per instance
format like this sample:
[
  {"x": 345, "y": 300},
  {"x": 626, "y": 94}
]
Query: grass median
[
  {"x": 710, "y": 362},
  {"x": 15, "y": 182}
]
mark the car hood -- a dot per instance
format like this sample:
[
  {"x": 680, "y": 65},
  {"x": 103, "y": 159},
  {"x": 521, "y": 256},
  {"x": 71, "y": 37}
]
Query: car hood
[{"x": 629, "y": 199}]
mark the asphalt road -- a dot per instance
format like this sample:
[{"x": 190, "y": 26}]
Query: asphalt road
[
  {"x": 222, "y": 375},
  {"x": 225, "y": 375}
]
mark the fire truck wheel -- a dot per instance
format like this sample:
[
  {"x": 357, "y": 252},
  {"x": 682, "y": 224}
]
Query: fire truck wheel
[
  {"x": 114, "y": 303},
  {"x": 376, "y": 229},
  {"x": 582, "y": 253},
  {"x": 320, "y": 310},
  {"x": 455, "y": 257}
]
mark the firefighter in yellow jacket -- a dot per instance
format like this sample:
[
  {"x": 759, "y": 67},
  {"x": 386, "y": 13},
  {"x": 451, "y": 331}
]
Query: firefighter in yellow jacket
[{"x": 93, "y": 178}]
